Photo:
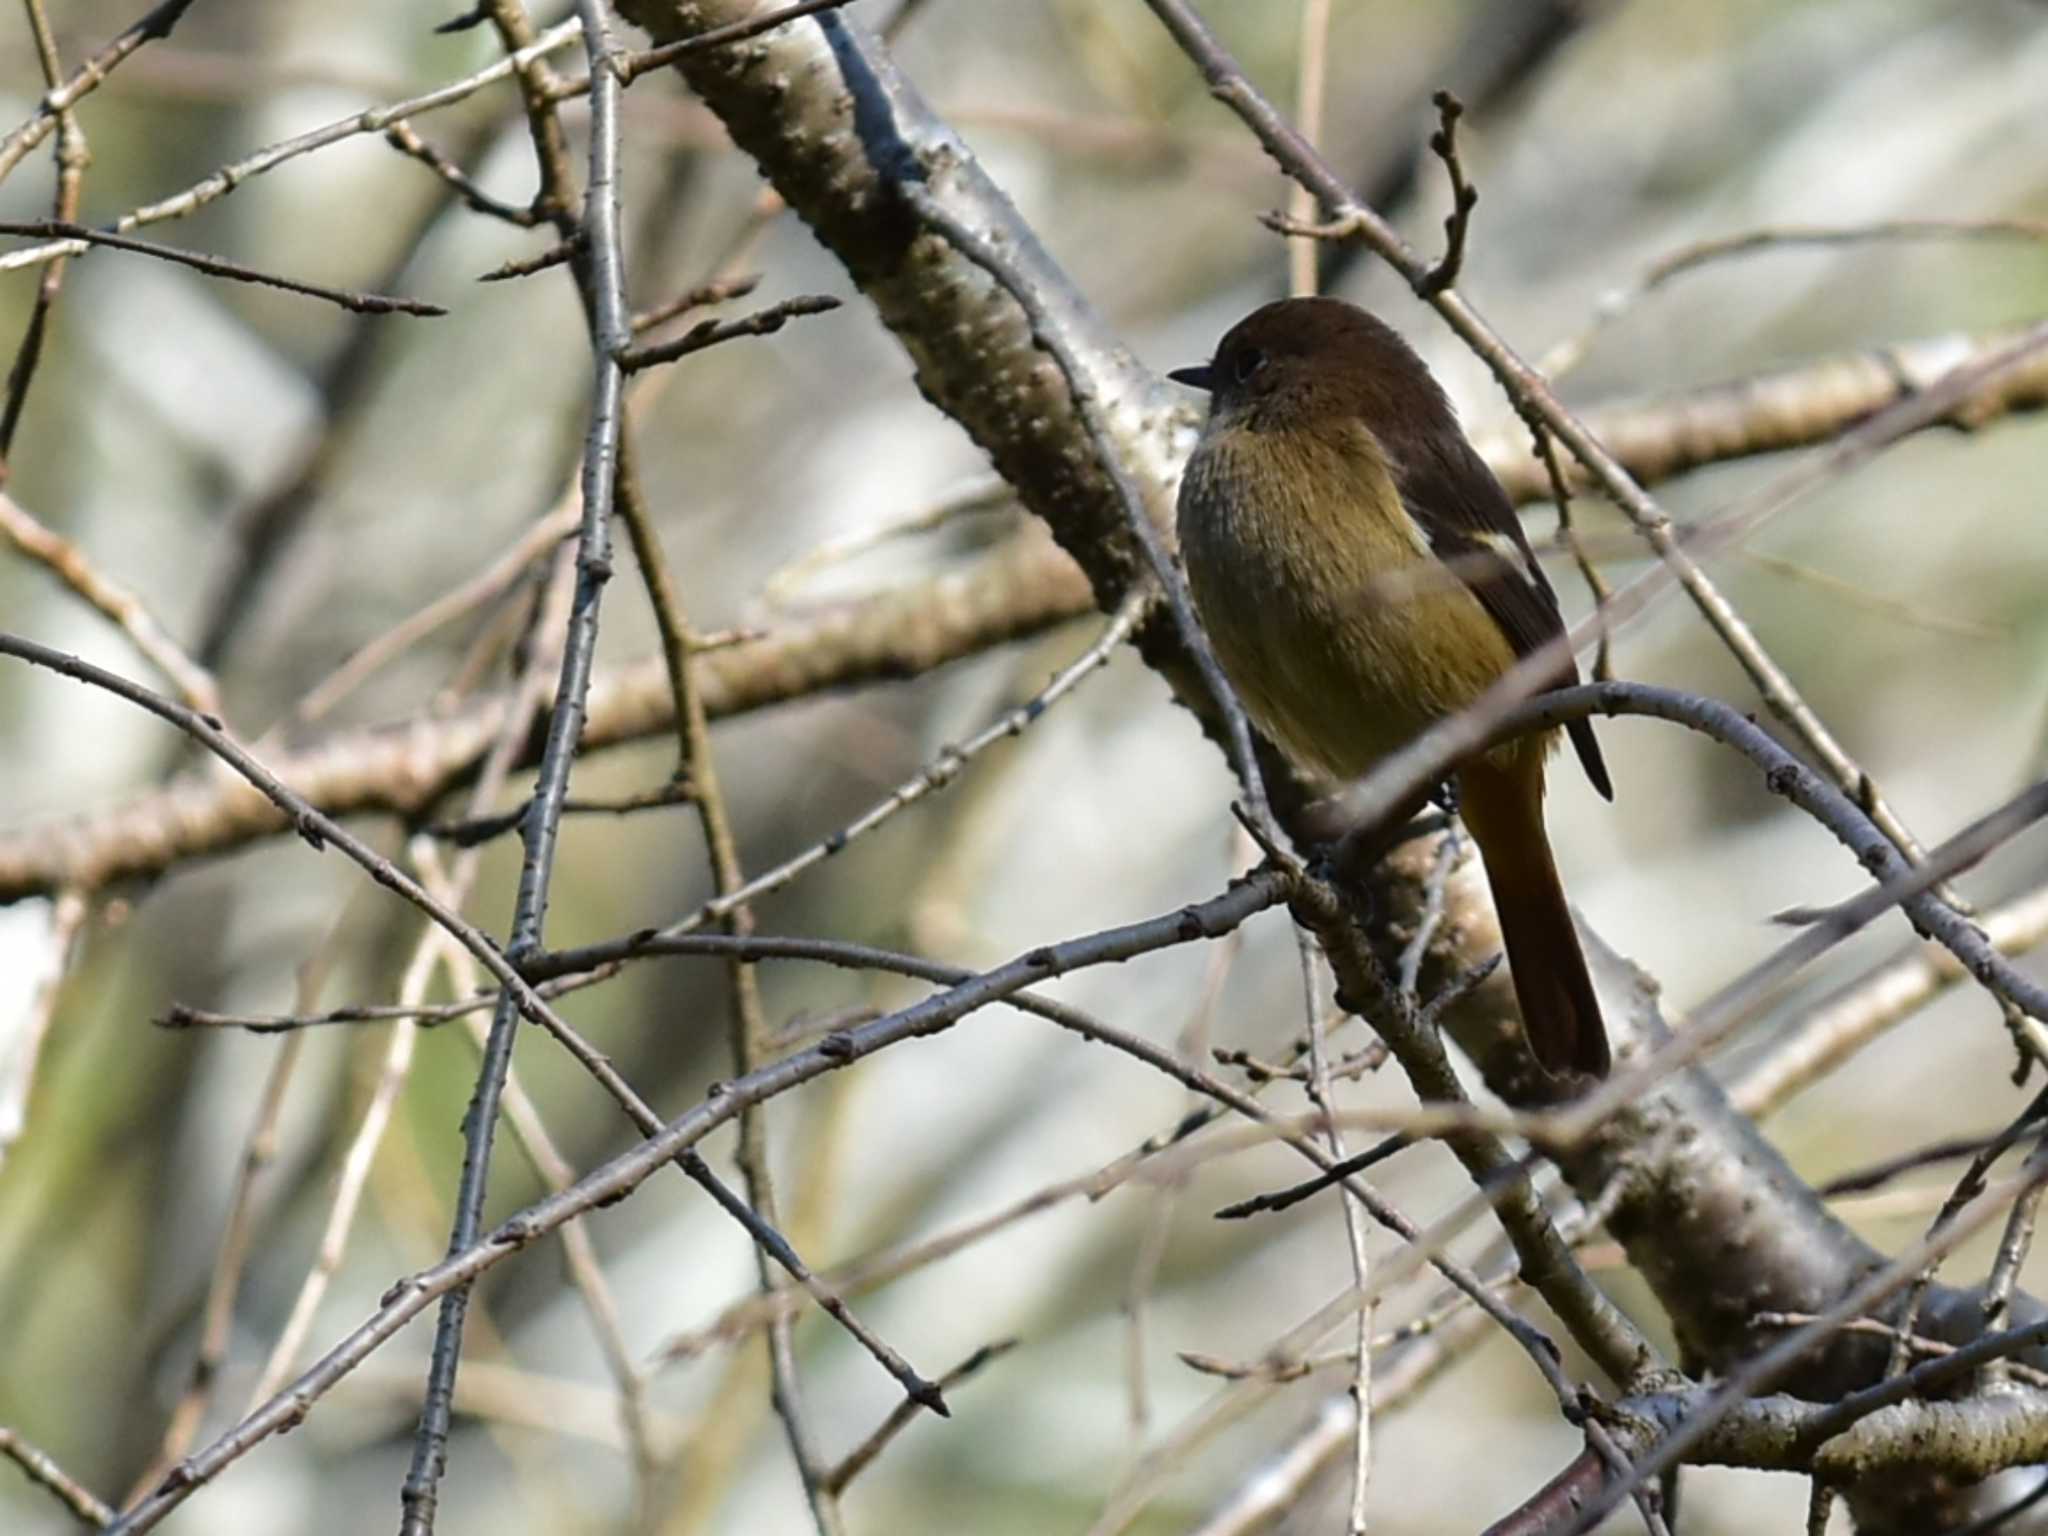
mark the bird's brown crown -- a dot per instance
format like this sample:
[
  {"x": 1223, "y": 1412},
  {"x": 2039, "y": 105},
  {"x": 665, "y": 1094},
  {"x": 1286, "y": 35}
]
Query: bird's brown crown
[{"x": 1323, "y": 357}]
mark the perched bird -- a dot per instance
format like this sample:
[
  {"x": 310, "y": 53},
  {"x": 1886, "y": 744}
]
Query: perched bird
[{"x": 1362, "y": 574}]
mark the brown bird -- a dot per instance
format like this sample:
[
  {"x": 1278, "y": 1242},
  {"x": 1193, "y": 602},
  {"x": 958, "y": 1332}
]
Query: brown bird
[{"x": 1362, "y": 575}]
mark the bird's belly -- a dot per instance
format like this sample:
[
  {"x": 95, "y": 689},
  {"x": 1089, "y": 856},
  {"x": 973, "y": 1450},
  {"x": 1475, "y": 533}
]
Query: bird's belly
[{"x": 1342, "y": 656}]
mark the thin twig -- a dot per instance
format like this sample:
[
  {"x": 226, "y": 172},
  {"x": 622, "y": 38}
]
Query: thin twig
[
  {"x": 1408, "y": 974},
  {"x": 50, "y": 111},
  {"x": 1464, "y": 198},
  {"x": 1567, "y": 530},
  {"x": 268, "y": 158},
  {"x": 1570, "y": 352},
  {"x": 259, "y": 1149},
  {"x": 73, "y": 155},
  {"x": 1761, "y": 1369},
  {"x": 717, "y": 290},
  {"x": 476, "y": 830},
  {"x": 489, "y": 583},
  {"x": 633, "y": 65},
  {"x": 749, "y": 1033},
  {"x": 69, "y": 564},
  {"x": 1917, "y": 1344},
  {"x": 1860, "y": 1010},
  {"x": 585, "y": 1272},
  {"x": 42, "y": 1468},
  {"x": 430, "y": 951},
  {"x": 863, "y": 1455},
  {"x": 316, "y": 828},
  {"x": 617, "y": 1178},
  {"x": 1312, "y": 70},
  {"x": 1503, "y": 1180},
  {"x": 560, "y": 254},
  {"x": 709, "y": 333},
  {"x": 77, "y": 238},
  {"x": 783, "y": 584},
  {"x": 404, "y": 138},
  {"x": 420, "y": 1493},
  {"x": 1354, "y": 1231},
  {"x": 1967, "y": 1188}
]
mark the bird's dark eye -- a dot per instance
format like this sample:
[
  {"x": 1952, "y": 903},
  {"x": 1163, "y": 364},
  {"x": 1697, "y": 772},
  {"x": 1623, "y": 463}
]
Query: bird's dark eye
[{"x": 1248, "y": 362}]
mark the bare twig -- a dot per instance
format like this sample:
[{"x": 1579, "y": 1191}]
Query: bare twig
[
  {"x": 1862, "y": 1009},
  {"x": 863, "y": 1455},
  {"x": 786, "y": 582},
  {"x": 1361, "y": 1264},
  {"x": 717, "y": 290},
  {"x": 1570, "y": 352},
  {"x": 43, "y": 1469},
  {"x": 430, "y": 950},
  {"x": 70, "y": 565},
  {"x": 404, "y": 138},
  {"x": 1312, "y": 71},
  {"x": 624, "y": 1173},
  {"x": 259, "y": 1149},
  {"x": 633, "y": 65},
  {"x": 709, "y": 333},
  {"x": 489, "y": 583},
  {"x": 560, "y": 254},
  {"x": 73, "y": 156},
  {"x": 420, "y": 1493},
  {"x": 476, "y": 830},
  {"x": 372, "y": 120},
  {"x": 157, "y": 23},
  {"x": 77, "y": 238},
  {"x": 1464, "y": 198},
  {"x": 317, "y": 829},
  {"x": 1761, "y": 1369},
  {"x": 1918, "y": 1345},
  {"x": 1020, "y": 588}
]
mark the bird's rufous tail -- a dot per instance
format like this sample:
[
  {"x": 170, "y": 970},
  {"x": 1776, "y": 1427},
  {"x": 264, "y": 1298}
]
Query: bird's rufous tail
[{"x": 1503, "y": 810}]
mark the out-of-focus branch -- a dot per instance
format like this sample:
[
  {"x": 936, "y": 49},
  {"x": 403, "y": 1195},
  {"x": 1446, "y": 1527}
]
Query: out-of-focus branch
[
  {"x": 1770, "y": 412},
  {"x": 1570, "y": 352},
  {"x": 1859, "y": 1011},
  {"x": 41, "y": 1468},
  {"x": 87, "y": 78},
  {"x": 70, "y": 565},
  {"x": 73, "y": 156},
  {"x": 1018, "y": 589}
]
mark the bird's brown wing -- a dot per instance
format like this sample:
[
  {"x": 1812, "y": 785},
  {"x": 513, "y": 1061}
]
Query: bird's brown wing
[{"x": 1472, "y": 527}]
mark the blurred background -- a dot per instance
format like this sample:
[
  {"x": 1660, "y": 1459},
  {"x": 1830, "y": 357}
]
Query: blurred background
[{"x": 170, "y": 411}]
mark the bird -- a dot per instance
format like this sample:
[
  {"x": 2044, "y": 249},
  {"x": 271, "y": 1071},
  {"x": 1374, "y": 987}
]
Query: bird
[{"x": 1361, "y": 575}]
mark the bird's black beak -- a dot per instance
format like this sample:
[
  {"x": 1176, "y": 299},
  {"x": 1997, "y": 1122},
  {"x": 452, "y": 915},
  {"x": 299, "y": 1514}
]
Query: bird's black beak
[{"x": 1200, "y": 377}]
